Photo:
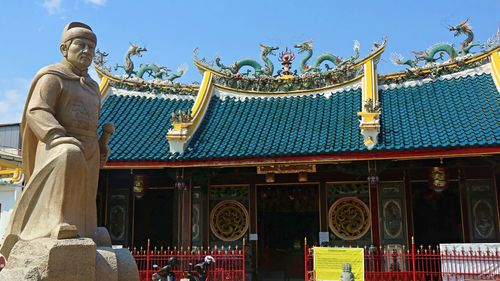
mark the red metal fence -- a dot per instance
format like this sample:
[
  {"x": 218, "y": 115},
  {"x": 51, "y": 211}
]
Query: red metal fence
[
  {"x": 423, "y": 264},
  {"x": 229, "y": 262}
]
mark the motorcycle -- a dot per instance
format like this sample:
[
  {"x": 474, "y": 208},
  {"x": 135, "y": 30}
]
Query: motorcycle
[
  {"x": 199, "y": 270},
  {"x": 165, "y": 273}
]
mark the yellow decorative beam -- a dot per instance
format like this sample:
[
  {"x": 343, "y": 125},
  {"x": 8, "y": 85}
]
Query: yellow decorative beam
[
  {"x": 104, "y": 85},
  {"x": 370, "y": 109},
  {"x": 495, "y": 67},
  {"x": 185, "y": 124}
]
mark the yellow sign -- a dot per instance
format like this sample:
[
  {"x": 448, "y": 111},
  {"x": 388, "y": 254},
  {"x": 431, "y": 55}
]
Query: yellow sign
[{"x": 332, "y": 263}]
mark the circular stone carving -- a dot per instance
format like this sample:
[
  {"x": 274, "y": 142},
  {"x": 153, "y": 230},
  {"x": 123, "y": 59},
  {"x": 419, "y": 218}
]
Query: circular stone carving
[
  {"x": 349, "y": 218},
  {"x": 229, "y": 220}
]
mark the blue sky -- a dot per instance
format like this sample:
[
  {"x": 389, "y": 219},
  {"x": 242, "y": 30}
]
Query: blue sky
[{"x": 171, "y": 29}]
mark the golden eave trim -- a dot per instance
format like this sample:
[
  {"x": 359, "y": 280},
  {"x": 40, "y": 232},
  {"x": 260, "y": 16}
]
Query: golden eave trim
[
  {"x": 104, "y": 85},
  {"x": 371, "y": 56},
  {"x": 202, "y": 100},
  {"x": 495, "y": 68}
]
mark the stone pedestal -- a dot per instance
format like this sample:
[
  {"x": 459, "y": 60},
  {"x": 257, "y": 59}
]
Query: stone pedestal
[{"x": 79, "y": 259}]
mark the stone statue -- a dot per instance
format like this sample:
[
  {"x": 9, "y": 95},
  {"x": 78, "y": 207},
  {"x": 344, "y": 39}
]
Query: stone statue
[
  {"x": 347, "y": 274},
  {"x": 61, "y": 158}
]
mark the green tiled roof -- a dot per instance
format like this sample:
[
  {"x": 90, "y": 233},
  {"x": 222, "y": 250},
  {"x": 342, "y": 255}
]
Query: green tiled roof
[
  {"x": 141, "y": 125},
  {"x": 454, "y": 113}
]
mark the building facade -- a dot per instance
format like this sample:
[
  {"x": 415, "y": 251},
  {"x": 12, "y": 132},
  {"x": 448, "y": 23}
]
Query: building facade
[{"x": 339, "y": 155}]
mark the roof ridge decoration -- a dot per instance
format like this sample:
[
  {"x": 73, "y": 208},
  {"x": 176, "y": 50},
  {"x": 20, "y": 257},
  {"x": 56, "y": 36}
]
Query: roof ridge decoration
[
  {"x": 319, "y": 76},
  {"x": 224, "y": 93},
  {"x": 257, "y": 68},
  {"x": 458, "y": 60},
  {"x": 162, "y": 78},
  {"x": 468, "y": 72},
  {"x": 131, "y": 93}
]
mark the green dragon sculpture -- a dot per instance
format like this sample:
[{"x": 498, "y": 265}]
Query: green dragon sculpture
[
  {"x": 159, "y": 72},
  {"x": 316, "y": 67},
  {"x": 258, "y": 70},
  {"x": 152, "y": 70},
  {"x": 133, "y": 50},
  {"x": 437, "y": 51}
]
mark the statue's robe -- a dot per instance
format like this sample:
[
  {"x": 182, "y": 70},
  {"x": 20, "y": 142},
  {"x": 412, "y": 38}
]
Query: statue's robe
[{"x": 61, "y": 180}]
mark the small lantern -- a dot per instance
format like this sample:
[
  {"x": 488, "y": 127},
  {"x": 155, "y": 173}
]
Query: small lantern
[
  {"x": 140, "y": 185},
  {"x": 438, "y": 179}
]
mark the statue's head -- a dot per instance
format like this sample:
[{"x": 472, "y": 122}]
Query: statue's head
[{"x": 78, "y": 44}]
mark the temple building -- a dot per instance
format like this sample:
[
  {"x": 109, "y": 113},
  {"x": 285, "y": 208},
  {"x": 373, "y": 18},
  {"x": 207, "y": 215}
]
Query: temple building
[{"x": 326, "y": 148}]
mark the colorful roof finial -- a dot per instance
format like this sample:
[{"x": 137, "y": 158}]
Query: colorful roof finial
[{"x": 286, "y": 58}]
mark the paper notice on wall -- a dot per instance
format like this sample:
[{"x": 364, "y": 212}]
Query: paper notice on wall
[
  {"x": 468, "y": 261},
  {"x": 333, "y": 263}
]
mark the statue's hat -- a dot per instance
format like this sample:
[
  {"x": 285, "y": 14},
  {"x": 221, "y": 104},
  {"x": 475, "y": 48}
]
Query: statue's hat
[{"x": 77, "y": 30}]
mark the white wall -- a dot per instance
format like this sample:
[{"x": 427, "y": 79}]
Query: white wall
[{"x": 8, "y": 196}]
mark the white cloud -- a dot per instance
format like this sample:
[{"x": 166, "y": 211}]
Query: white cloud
[
  {"x": 52, "y": 6},
  {"x": 97, "y": 2},
  {"x": 12, "y": 102}
]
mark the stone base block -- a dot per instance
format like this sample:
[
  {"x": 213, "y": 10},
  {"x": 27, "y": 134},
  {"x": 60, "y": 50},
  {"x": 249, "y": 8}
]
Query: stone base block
[{"x": 78, "y": 259}]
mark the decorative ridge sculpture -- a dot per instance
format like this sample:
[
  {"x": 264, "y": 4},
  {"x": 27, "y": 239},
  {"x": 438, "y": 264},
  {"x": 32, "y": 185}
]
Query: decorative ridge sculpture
[
  {"x": 336, "y": 60},
  {"x": 268, "y": 69},
  {"x": 437, "y": 51}
]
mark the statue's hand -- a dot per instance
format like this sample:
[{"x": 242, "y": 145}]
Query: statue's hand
[{"x": 60, "y": 140}]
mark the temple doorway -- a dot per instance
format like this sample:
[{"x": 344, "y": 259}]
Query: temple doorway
[
  {"x": 286, "y": 215},
  {"x": 436, "y": 214},
  {"x": 153, "y": 218}
]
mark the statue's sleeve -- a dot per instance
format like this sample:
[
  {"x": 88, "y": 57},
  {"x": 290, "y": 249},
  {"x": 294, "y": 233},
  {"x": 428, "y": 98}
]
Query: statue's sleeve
[{"x": 41, "y": 110}]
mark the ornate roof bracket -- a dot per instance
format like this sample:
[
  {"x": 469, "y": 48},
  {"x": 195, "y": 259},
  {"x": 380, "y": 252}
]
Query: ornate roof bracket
[
  {"x": 370, "y": 107},
  {"x": 185, "y": 124},
  {"x": 495, "y": 67}
]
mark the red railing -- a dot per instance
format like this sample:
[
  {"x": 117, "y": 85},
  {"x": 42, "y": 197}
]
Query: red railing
[
  {"x": 423, "y": 264},
  {"x": 229, "y": 262}
]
